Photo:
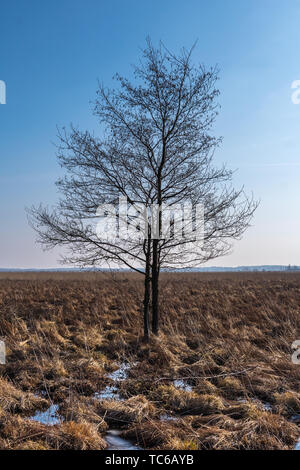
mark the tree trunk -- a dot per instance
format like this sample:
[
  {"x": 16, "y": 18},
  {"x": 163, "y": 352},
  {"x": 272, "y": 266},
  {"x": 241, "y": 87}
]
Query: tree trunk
[
  {"x": 147, "y": 251},
  {"x": 155, "y": 258},
  {"x": 146, "y": 303},
  {"x": 155, "y": 275}
]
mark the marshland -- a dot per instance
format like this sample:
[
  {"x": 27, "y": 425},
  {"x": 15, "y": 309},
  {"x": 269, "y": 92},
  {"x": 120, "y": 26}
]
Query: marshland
[{"x": 78, "y": 374}]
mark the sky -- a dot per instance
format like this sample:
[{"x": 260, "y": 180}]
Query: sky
[{"x": 52, "y": 54}]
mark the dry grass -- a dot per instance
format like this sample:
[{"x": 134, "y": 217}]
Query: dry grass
[
  {"x": 133, "y": 410},
  {"x": 17, "y": 401},
  {"x": 228, "y": 335},
  {"x": 19, "y": 433},
  {"x": 186, "y": 402}
]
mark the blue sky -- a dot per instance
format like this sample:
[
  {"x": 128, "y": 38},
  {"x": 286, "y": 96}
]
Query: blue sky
[{"x": 53, "y": 52}]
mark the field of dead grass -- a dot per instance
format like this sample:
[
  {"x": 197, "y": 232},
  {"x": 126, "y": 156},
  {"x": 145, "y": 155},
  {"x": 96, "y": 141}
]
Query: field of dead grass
[{"x": 225, "y": 337}]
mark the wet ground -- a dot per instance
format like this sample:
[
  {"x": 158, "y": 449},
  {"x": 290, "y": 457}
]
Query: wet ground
[
  {"x": 116, "y": 442},
  {"x": 113, "y": 437},
  {"x": 50, "y": 417}
]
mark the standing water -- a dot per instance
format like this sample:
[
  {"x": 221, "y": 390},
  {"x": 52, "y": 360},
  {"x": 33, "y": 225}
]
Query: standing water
[
  {"x": 182, "y": 385},
  {"x": 110, "y": 392},
  {"x": 49, "y": 417},
  {"x": 115, "y": 442},
  {"x": 121, "y": 373}
]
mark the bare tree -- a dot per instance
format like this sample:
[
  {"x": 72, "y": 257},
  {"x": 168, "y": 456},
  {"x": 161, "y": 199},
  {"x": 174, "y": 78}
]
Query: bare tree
[
  {"x": 97, "y": 174},
  {"x": 157, "y": 152}
]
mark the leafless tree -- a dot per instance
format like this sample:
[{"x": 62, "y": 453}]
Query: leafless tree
[
  {"x": 156, "y": 151},
  {"x": 97, "y": 174}
]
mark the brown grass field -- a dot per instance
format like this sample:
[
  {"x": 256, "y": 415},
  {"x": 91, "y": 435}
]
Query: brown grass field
[{"x": 227, "y": 336}]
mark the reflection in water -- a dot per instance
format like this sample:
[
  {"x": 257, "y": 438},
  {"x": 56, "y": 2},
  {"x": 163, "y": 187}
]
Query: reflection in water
[
  {"x": 267, "y": 406},
  {"x": 49, "y": 417},
  {"x": 295, "y": 419},
  {"x": 182, "y": 385},
  {"x": 121, "y": 373},
  {"x": 166, "y": 417},
  {"x": 110, "y": 392},
  {"x": 115, "y": 442}
]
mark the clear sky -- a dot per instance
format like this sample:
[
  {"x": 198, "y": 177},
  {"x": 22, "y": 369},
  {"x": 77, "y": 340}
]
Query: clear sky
[{"x": 53, "y": 52}]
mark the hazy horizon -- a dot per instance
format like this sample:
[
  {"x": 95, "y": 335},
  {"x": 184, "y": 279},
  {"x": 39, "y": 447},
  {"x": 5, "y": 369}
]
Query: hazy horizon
[{"x": 60, "y": 267}]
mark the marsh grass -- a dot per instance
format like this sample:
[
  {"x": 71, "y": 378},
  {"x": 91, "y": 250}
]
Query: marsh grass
[{"x": 227, "y": 336}]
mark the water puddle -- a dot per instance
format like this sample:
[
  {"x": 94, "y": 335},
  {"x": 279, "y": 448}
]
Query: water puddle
[
  {"x": 295, "y": 419},
  {"x": 267, "y": 406},
  {"x": 49, "y": 417},
  {"x": 115, "y": 442},
  {"x": 110, "y": 392},
  {"x": 166, "y": 417},
  {"x": 182, "y": 385},
  {"x": 121, "y": 373}
]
